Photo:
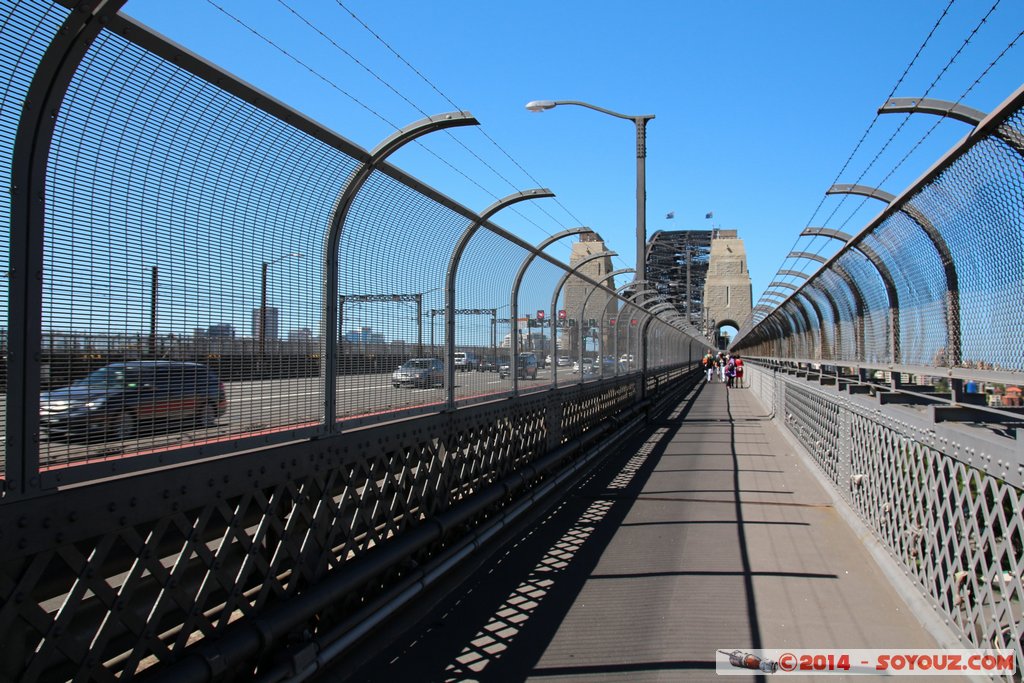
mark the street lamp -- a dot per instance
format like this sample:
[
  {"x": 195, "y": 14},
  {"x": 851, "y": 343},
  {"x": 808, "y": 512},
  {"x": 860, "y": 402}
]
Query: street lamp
[
  {"x": 641, "y": 178},
  {"x": 263, "y": 299}
]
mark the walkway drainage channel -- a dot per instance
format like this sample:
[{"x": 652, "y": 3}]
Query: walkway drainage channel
[{"x": 257, "y": 635}]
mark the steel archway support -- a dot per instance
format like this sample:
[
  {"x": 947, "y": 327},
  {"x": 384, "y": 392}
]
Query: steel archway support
[
  {"x": 453, "y": 269},
  {"x": 513, "y": 345},
  {"x": 329, "y": 326},
  {"x": 953, "y": 350},
  {"x": 28, "y": 193}
]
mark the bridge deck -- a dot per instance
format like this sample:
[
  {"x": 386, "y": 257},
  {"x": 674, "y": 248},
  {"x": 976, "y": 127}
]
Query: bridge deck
[{"x": 707, "y": 533}]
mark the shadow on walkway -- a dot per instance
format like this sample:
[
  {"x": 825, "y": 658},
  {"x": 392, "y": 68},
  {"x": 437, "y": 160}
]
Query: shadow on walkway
[{"x": 648, "y": 567}]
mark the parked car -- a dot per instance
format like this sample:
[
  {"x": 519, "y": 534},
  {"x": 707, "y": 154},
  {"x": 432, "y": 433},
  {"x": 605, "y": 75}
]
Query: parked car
[
  {"x": 125, "y": 400},
  {"x": 527, "y": 367},
  {"x": 465, "y": 361},
  {"x": 419, "y": 372}
]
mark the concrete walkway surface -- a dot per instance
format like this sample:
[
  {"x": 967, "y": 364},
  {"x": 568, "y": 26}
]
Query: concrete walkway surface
[{"x": 705, "y": 533}]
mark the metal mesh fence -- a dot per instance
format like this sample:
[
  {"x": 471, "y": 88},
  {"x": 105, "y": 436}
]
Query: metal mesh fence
[
  {"x": 945, "y": 502},
  {"x": 184, "y": 311},
  {"x": 947, "y": 267}
]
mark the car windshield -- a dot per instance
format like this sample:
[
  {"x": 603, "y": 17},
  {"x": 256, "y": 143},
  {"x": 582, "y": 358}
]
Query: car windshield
[
  {"x": 417, "y": 364},
  {"x": 110, "y": 378}
]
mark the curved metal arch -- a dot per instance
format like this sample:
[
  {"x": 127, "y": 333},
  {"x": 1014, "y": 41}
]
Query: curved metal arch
[
  {"x": 794, "y": 273},
  {"x": 890, "y": 290},
  {"x": 29, "y": 161},
  {"x": 514, "y": 299},
  {"x": 806, "y": 254},
  {"x": 332, "y": 240},
  {"x": 943, "y": 108},
  {"x": 826, "y": 232},
  {"x": 453, "y": 270},
  {"x": 837, "y": 340},
  {"x": 817, "y": 312},
  {"x": 776, "y": 283},
  {"x": 586, "y": 302},
  {"x": 953, "y": 337},
  {"x": 554, "y": 306},
  {"x": 859, "y": 308},
  {"x": 794, "y": 318}
]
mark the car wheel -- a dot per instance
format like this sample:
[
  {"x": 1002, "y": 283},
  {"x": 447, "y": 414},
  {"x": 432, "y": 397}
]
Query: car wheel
[
  {"x": 208, "y": 416},
  {"x": 127, "y": 426}
]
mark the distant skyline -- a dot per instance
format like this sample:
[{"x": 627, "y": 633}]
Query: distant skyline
[{"x": 759, "y": 106}]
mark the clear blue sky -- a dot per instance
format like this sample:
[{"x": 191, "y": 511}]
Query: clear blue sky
[{"x": 759, "y": 105}]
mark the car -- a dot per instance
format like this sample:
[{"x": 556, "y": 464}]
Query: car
[
  {"x": 527, "y": 367},
  {"x": 589, "y": 367},
  {"x": 563, "y": 361},
  {"x": 488, "y": 365},
  {"x": 465, "y": 361},
  {"x": 419, "y": 372},
  {"x": 132, "y": 398}
]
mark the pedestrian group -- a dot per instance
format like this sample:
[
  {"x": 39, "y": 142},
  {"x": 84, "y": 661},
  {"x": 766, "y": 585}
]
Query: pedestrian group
[{"x": 728, "y": 368}]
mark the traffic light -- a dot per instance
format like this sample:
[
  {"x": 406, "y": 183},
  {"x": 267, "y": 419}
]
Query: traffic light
[
  {"x": 612, "y": 322},
  {"x": 562, "y": 314},
  {"x": 593, "y": 322},
  {"x": 540, "y": 315}
]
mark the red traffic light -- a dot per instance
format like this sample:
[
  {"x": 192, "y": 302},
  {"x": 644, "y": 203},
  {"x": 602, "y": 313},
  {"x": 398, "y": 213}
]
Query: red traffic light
[
  {"x": 633, "y": 321},
  {"x": 562, "y": 315},
  {"x": 611, "y": 321},
  {"x": 540, "y": 315}
]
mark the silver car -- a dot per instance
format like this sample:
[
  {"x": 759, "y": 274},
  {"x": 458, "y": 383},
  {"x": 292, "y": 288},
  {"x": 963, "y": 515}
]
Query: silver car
[{"x": 419, "y": 372}]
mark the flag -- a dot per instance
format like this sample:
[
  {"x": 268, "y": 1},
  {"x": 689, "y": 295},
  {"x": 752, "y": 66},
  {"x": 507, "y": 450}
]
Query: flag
[
  {"x": 670, "y": 215},
  {"x": 709, "y": 214}
]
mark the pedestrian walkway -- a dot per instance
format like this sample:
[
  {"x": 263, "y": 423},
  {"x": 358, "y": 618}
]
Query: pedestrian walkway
[{"x": 708, "y": 533}]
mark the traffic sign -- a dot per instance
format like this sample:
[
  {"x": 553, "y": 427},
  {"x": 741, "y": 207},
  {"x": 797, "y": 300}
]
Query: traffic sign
[
  {"x": 540, "y": 315},
  {"x": 562, "y": 315}
]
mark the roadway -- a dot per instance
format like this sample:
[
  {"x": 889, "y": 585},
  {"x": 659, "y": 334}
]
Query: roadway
[{"x": 264, "y": 406}]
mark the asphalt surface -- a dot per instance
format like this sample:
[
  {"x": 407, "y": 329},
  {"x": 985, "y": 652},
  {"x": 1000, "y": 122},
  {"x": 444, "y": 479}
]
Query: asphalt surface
[{"x": 268, "y": 405}]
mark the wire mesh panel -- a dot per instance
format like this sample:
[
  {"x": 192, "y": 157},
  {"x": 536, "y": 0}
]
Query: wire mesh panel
[
  {"x": 875, "y": 323},
  {"x": 846, "y": 329},
  {"x": 393, "y": 253},
  {"x": 483, "y": 293},
  {"x": 918, "y": 273},
  {"x": 954, "y": 526},
  {"x": 181, "y": 287},
  {"x": 533, "y": 328},
  {"x": 976, "y": 205}
]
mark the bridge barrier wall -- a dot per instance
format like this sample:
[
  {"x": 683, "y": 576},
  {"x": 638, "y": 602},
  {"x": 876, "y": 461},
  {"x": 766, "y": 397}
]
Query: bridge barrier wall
[
  {"x": 164, "y": 211},
  {"x": 944, "y": 501}
]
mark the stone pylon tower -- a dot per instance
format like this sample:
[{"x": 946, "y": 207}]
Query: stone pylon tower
[{"x": 728, "y": 297}]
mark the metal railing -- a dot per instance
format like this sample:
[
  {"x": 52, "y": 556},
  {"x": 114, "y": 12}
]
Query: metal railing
[
  {"x": 945, "y": 500},
  {"x": 246, "y": 282}
]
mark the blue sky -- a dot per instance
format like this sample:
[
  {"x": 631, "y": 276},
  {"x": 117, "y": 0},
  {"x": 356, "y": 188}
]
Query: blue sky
[{"x": 758, "y": 105}]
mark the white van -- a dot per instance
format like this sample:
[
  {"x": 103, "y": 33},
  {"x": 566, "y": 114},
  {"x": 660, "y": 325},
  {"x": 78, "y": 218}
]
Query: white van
[{"x": 465, "y": 360}]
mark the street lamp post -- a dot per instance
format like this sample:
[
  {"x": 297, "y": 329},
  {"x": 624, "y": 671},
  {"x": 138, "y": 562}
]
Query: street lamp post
[
  {"x": 263, "y": 301},
  {"x": 641, "y": 172}
]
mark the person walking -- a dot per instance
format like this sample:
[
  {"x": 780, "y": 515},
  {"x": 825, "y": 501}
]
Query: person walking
[
  {"x": 709, "y": 366},
  {"x": 722, "y": 360},
  {"x": 730, "y": 373},
  {"x": 739, "y": 370}
]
